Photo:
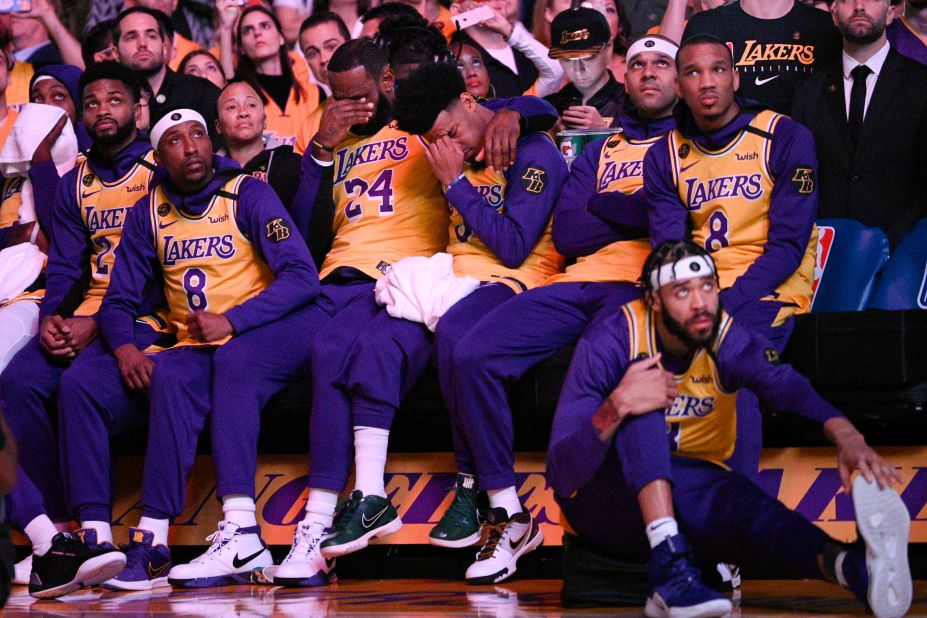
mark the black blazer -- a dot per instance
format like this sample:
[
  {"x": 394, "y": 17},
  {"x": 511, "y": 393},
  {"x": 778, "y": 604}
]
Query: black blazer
[{"x": 883, "y": 183}]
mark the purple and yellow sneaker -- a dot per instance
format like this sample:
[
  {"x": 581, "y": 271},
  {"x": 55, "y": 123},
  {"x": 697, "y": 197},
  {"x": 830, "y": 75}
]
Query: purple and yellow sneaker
[{"x": 147, "y": 564}]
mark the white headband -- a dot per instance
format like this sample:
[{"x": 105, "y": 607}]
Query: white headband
[
  {"x": 691, "y": 267},
  {"x": 652, "y": 44},
  {"x": 41, "y": 78},
  {"x": 173, "y": 119}
]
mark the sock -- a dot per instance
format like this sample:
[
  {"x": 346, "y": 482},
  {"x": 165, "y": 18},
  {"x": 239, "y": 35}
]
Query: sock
[
  {"x": 507, "y": 498},
  {"x": 40, "y": 531},
  {"x": 659, "y": 529},
  {"x": 370, "y": 445},
  {"x": 320, "y": 507},
  {"x": 158, "y": 527},
  {"x": 239, "y": 510},
  {"x": 102, "y": 528}
]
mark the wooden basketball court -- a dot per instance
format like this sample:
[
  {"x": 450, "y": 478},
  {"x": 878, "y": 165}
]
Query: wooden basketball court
[{"x": 420, "y": 597}]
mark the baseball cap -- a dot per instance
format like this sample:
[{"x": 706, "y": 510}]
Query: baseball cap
[{"x": 578, "y": 33}]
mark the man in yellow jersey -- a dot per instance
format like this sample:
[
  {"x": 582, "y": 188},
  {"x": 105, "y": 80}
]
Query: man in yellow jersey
[
  {"x": 90, "y": 208},
  {"x": 238, "y": 282},
  {"x": 741, "y": 181},
  {"x": 647, "y": 418}
]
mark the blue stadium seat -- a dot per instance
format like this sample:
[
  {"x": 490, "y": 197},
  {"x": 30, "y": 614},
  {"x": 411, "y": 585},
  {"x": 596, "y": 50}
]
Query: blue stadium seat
[
  {"x": 850, "y": 255},
  {"x": 903, "y": 282}
]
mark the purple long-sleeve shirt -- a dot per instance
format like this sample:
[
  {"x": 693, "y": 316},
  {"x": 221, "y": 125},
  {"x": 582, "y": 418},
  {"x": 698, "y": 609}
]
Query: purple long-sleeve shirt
[
  {"x": 586, "y": 220},
  {"x": 296, "y": 280},
  {"x": 67, "y": 272},
  {"x": 791, "y": 213},
  {"x": 512, "y": 235},
  {"x": 601, "y": 360}
]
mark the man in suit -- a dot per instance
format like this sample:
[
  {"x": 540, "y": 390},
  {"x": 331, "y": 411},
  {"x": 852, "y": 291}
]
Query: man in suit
[{"x": 868, "y": 113}]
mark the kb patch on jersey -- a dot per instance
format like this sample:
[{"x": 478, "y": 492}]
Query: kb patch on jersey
[
  {"x": 534, "y": 180},
  {"x": 804, "y": 180},
  {"x": 276, "y": 230}
]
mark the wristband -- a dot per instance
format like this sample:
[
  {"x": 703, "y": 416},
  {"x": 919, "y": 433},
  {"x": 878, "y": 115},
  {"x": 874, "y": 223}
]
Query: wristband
[
  {"x": 454, "y": 182},
  {"x": 322, "y": 146},
  {"x": 35, "y": 233}
]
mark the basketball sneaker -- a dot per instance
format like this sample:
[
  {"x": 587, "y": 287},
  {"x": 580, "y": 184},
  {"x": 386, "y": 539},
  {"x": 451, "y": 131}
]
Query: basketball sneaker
[
  {"x": 304, "y": 565},
  {"x": 147, "y": 564},
  {"x": 509, "y": 539},
  {"x": 460, "y": 524},
  {"x": 229, "y": 560},
  {"x": 876, "y": 568},
  {"x": 360, "y": 519},
  {"x": 676, "y": 587},
  {"x": 70, "y": 564},
  {"x": 21, "y": 571}
]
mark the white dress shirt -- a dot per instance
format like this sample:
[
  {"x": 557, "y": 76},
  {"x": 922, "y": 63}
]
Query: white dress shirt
[{"x": 875, "y": 65}]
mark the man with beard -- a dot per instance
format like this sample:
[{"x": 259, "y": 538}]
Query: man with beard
[
  {"x": 742, "y": 181},
  {"x": 90, "y": 208},
  {"x": 141, "y": 39},
  {"x": 238, "y": 283},
  {"x": 868, "y": 114},
  {"x": 648, "y": 402}
]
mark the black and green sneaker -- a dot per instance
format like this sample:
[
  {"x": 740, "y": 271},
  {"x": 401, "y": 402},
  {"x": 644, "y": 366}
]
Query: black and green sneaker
[
  {"x": 360, "y": 519},
  {"x": 460, "y": 524}
]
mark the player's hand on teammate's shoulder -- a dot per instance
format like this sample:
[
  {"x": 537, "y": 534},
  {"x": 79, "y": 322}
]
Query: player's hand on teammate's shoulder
[
  {"x": 645, "y": 387},
  {"x": 446, "y": 159},
  {"x": 134, "y": 366},
  {"x": 208, "y": 327},
  {"x": 501, "y": 139},
  {"x": 854, "y": 454}
]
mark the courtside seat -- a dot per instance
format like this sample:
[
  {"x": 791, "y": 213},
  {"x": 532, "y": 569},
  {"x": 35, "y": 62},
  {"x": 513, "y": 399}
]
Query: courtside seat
[
  {"x": 850, "y": 256},
  {"x": 903, "y": 282}
]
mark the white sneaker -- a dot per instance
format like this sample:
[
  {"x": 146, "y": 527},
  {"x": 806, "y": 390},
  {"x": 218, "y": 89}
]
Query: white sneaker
[
  {"x": 234, "y": 553},
  {"x": 304, "y": 565},
  {"x": 508, "y": 539},
  {"x": 22, "y": 570}
]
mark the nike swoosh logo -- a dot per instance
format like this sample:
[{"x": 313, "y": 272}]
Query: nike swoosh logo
[
  {"x": 760, "y": 82},
  {"x": 239, "y": 562},
  {"x": 154, "y": 573},
  {"x": 682, "y": 169},
  {"x": 85, "y": 195},
  {"x": 367, "y": 523},
  {"x": 161, "y": 226}
]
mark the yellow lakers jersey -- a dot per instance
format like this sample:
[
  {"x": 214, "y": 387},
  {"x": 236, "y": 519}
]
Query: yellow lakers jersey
[
  {"x": 388, "y": 203},
  {"x": 309, "y": 127},
  {"x": 103, "y": 208},
  {"x": 207, "y": 263},
  {"x": 11, "y": 200},
  {"x": 702, "y": 422},
  {"x": 728, "y": 193},
  {"x": 473, "y": 258},
  {"x": 621, "y": 169}
]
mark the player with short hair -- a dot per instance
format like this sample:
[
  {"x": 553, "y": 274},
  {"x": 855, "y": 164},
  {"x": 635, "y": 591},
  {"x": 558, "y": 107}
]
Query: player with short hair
[
  {"x": 649, "y": 401},
  {"x": 741, "y": 180},
  {"x": 238, "y": 283}
]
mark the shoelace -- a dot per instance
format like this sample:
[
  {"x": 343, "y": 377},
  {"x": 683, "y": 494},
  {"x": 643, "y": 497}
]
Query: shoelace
[
  {"x": 303, "y": 543},
  {"x": 218, "y": 541},
  {"x": 683, "y": 574},
  {"x": 496, "y": 534}
]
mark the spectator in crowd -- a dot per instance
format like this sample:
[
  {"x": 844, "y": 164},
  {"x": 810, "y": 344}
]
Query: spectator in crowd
[
  {"x": 775, "y": 44},
  {"x": 263, "y": 59},
  {"x": 57, "y": 84},
  {"x": 643, "y": 15},
  {"x": 8, "y": 115},
  {"x": 543, "y": 16},
  {"x": 241, "y": 123},
  {"x": 201, "y": 63},
  {"x": 40, "y": 38},
  {"x": 98, "y": 43},
  {"x": 372, "y": 19},
  {"x": 291, "y": 13},
  {"x": 20, "y": 73},
  {"x": 620, "y": 29},
  {"x": 678, "y": 12},
  {"x": 907, "y": 33},
  {"x": 506, "y": 25},
  {"x": 435, "y": 14},
  {"x": 141, "y": 38},
  {"x": 349, "y": 11},
  {"x": 593, "y": 99},
  {"x": 180, "y": 44},
  {"x": 868, "y": 114},
  {"x": 473, "y": 69},
  {"x": 319, "y": 37}
]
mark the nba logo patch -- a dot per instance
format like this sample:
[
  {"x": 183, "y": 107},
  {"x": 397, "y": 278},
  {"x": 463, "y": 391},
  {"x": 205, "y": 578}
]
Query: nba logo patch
[
  {"x": 826, "y": 236},
  {"x": 922, "y": 293}
]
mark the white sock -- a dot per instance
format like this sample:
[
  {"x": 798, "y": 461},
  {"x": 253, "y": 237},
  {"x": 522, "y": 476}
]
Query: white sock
[
  {"x": 370, "y": 446},
  {"x": 102, "y": 528},
  {"x": 507, "y": 498},
  {"x": 158, "y": 527},
  {"x": 320, "y": 507},
  {"x": 239, "y": 510},
  {"x": 659, "y": 529},
  {"x": 40, "y": 531}
]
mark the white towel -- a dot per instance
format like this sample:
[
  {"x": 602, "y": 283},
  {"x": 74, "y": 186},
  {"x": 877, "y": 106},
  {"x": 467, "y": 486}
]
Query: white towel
[
  {"x": 422, "y": 289},
  {"x": 19, "y": 266},
  {"x": 32, "y": 126}
]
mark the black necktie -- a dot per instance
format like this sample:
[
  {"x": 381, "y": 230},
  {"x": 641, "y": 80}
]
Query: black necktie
[{"x": 858, "y": 101}]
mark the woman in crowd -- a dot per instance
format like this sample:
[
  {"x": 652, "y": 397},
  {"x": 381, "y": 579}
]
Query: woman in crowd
[{"x": 202, "y": 63}]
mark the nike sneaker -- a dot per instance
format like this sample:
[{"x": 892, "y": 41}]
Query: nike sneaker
[
  {"x": 676, "y": 588},
  {"x": 460, "y": 524},
  {"x": 147, "y": 564},
  {"x": 361, "y": 519},
  {"x": 304, "y": 565},
  {"x": 234, "y": 553},
  {"x": 509, "y": 538},
  {"x": 70, "y": 564}
]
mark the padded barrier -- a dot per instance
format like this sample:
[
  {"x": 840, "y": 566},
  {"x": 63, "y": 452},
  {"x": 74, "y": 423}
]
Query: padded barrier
[
  {"x": 903, "y": 282},
  {"x": 849, "y": 257}
]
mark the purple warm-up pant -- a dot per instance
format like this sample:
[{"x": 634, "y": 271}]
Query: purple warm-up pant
[
  {"x": 724, "y": 515},
  {"x": 230, "y": 383},
  {"x": 499, "y": 350}
]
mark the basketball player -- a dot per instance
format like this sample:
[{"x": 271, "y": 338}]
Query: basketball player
[
  {"x": 742, "y": 179},
  {"x": 649, "y": 401},
  {"x": 89, "y": 211},
  {"x": 601, "y": 219},
  {"x": 237, "y": 281}
]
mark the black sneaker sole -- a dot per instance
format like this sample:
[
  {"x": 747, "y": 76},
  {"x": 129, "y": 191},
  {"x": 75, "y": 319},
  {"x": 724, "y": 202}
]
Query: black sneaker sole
[{"x": 92, "y": 572}]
